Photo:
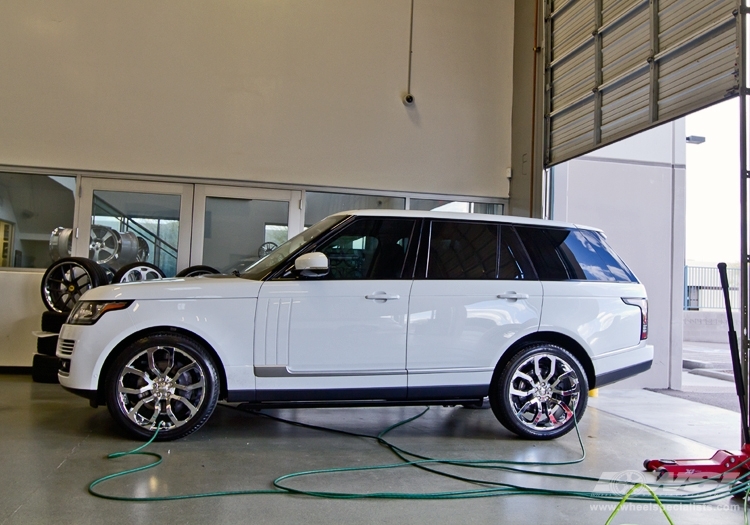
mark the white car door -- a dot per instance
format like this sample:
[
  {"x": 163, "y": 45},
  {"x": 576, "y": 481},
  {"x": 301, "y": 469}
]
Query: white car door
[
  {"x": 342, "y": 335},
  {"x": 480, "y": 295}
]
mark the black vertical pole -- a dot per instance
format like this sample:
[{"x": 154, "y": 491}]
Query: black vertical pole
[{"x": 739, "y": 380}]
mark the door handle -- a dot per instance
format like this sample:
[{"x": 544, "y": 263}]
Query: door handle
[
  {"x": 382, "y": 296},
  {"x": 513, "y": 295}
]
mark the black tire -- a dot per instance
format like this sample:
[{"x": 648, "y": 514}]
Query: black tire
[
  {"x": 555, "y": 384},
  {"x": 191, "y": 407},
  {"x": 44, "y": 369},
  {"x": 46, "y": 345},
  {"x": 53, "y": 321},
  {"x": 67, "y": 279},
  {"x": 138, "y": 271},
  {"x": 198, "y": 269}
]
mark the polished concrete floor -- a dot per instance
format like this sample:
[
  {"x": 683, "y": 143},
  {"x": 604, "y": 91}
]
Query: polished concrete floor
[{"x": 52, "y": 445}]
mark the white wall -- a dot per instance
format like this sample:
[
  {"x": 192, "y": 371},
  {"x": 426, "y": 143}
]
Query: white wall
[
  {"x": 288, "y": 91},
  {"x": 635, "y": 191},
  {"x": 708, "y": 326},
  {"x": 20, "y": 314}
]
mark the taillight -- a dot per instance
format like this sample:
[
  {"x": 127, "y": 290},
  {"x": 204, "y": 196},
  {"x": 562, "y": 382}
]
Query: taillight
[{"x": 642, "y": 303}]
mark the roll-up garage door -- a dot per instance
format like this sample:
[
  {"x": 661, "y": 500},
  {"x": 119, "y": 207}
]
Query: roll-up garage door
[{"x": 616, "y": 67}]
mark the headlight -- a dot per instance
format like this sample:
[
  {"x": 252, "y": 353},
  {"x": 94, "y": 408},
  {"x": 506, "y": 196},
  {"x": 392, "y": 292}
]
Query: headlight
[{"x": 89, "y": 312}]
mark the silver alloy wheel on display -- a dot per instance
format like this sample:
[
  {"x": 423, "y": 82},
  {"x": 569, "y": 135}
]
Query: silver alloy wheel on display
[
  {"x": 60, "y": 243},
  {"x": 107, "y": 245},
  {"x": 143, "y": 249},
  {"x": 544, "y": 392},
  {"x": 139, "y": 272},
  {"x": 104, "y": 244},
  {"x": 161, "y": 385}
]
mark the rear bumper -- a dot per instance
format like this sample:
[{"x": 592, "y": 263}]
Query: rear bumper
[
  {"x": 621, "y": 364},
  {"x": 622, "y": 373}
]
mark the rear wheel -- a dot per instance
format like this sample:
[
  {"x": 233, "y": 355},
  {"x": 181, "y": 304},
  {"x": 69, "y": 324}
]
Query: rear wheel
[
  {"x": 162, "y": 380},
  {"x": 538, "y": 391}
]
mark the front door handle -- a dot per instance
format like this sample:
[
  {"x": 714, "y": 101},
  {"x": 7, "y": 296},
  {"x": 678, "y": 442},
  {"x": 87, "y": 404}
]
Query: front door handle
[
  {"x": 513, "y": 295},
  {"x": 382, "y": 296}
]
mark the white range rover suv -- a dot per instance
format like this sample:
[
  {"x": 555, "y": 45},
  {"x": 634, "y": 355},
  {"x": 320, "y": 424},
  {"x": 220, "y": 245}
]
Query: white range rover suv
[{"x": 371, "y": 308}]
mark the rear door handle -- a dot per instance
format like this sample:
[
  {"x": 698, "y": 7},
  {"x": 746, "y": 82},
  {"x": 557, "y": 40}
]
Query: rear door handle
[
  {"x": 382, "y": 296},
  {"x": 513, "y": 295}
]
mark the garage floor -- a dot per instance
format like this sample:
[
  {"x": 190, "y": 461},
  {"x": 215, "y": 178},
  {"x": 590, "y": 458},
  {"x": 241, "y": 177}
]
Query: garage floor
[{"x": 53, "y": 445}]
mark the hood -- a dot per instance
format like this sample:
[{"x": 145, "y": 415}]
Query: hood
[{"x": 203, "y": 287}]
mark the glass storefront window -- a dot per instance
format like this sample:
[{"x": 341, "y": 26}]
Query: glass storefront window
[
  {"x": 31, "y": 208},
  {"x": 127, "y": 227},
  {"x": 239, "y": 232},
  {"x": 320, "y": 205}
]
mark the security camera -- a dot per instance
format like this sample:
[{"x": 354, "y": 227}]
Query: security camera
[{"x": 408, "y": 99}]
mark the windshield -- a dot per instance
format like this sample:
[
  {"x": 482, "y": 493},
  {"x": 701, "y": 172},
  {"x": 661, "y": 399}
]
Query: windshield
[{"x": 260, "y": 269}]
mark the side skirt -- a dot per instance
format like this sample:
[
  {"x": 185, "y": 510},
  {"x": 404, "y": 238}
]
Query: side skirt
[{"x": 359, "y": 397}]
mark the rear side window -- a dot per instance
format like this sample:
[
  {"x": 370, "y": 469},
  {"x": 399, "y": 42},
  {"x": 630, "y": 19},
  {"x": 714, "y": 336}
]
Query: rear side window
[
  {"x": 571, "y": 254},
  {"x": 466, "y": 250}
]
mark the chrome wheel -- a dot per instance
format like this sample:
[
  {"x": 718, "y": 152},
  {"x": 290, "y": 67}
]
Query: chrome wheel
[
  {"x": 161, "y": 385},
  {"x": 544, "y": 392},
  {"x": 540, "y": 392}
]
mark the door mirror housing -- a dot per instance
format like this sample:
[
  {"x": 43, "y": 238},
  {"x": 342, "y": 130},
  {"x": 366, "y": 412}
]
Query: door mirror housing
[{"x": 313, "y": 264}]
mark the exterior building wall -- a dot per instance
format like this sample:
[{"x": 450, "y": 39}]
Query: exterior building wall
[{"x": 635, "y": 191}]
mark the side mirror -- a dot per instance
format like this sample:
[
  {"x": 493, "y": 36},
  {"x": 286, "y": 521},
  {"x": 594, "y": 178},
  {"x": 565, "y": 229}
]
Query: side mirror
[{"x": 313, "y": 264}]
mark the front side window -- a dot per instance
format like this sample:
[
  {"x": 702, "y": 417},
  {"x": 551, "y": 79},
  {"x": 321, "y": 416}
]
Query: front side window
[
  {"x": 267, "y": 264},
  {"x": 369, "y": 249}
]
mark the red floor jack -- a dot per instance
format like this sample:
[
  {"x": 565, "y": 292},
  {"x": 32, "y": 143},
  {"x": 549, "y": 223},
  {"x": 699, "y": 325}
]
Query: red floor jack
[{"x": 723, "y": 465}]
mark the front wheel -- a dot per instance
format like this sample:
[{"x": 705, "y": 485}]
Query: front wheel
[
  {"x": 538, "y": 391},
  {"x": 165, "y": 381}
]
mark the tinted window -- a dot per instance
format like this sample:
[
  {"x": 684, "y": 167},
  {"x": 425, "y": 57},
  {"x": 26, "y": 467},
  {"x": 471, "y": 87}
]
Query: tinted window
[
  {"x": 560, "y": 254},
  {"x": 615, "y": 265},
  {"x": 462, "y": 250},
  {"x": 514, "y": 264},
  {"x": 369, "y": 249}
]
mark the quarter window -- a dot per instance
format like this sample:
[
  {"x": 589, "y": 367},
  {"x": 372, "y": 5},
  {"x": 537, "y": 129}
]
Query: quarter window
[{"x": 571, "y": 254}]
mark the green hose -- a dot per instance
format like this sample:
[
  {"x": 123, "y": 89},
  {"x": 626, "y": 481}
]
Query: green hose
[{"x": 481, "y": 488}]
